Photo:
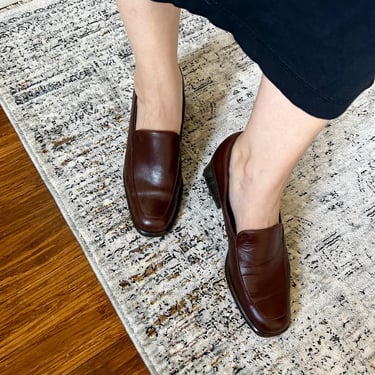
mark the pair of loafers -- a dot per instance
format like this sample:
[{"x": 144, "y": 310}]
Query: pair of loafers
[{"x": 257, "y": 266}]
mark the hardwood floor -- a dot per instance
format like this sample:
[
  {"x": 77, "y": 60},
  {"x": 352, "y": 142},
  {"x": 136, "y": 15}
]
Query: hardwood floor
[{"x": 54, "y": 316}]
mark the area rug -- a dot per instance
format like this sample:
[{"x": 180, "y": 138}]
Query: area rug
[{"x": 66, "y": 82}]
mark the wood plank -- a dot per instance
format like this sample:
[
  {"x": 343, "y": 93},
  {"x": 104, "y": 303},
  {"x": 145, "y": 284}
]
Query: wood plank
[{"x": 54, "y": 315}]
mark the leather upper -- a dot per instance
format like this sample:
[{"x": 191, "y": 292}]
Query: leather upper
[{"x": 152, "y": 176}]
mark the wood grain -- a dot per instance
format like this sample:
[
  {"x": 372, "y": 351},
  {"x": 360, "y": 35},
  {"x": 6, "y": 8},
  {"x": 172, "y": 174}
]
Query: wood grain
[{"x": 54, "y": 316}]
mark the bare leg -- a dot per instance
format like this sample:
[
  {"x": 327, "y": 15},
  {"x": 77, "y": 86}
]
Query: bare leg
[
  {"x": 263, "y": 157},
  {"x": 152, "y": 29}
]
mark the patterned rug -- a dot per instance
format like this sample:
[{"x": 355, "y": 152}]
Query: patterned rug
[{"x": 66, "y": 82}]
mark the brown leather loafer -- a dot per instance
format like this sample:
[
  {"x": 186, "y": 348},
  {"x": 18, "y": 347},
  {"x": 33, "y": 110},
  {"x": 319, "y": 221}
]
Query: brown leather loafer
[
  {"x": 152, "y": 177},
  {"x": 257, "y": 265}
]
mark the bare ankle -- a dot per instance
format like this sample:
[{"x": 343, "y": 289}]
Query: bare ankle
[
  {"x": 159, "y": 101},
  {"x": 254, "y": 195},
  {"x": 148, "y": 80}
]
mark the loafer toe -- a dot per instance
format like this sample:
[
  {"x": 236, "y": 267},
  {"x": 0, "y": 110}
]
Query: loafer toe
[
  {"x": 154, "y": 213},
  {"x": 258, "y": 277}
]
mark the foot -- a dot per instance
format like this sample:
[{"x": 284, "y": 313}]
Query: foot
[
  {"x": 152, "y": 177},
  {"x": 159, "y": 99},
  {"x": 257, "y": 266},
  {"x": 254, "y": 195}
]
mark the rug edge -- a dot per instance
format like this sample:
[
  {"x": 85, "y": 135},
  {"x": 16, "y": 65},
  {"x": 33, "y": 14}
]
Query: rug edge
[{"x": 82, "y": 243}]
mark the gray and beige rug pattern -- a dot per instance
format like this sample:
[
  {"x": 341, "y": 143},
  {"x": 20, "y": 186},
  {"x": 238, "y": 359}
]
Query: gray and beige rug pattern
[{"x": 66, "y": 83}]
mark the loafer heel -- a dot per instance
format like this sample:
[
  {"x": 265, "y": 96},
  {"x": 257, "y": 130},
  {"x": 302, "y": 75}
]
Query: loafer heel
[{"x": 209, "y": 176}]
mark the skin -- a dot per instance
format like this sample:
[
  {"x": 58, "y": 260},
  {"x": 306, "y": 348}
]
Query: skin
[{"x": 276, "y": 135}]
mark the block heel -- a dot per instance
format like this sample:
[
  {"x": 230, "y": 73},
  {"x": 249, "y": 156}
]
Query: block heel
[{"x": 210, "y": 178}]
